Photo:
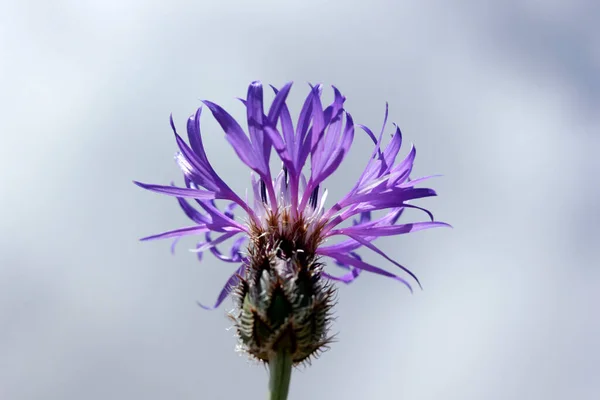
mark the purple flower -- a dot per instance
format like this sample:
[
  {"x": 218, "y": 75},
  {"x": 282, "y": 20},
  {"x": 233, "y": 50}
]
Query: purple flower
[
  {"x": 279, "y": 244},
  {"x": 287, "y": 201}
]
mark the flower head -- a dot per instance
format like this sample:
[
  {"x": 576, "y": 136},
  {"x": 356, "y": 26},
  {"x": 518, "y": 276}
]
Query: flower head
[{"x": 284, "y": 296}]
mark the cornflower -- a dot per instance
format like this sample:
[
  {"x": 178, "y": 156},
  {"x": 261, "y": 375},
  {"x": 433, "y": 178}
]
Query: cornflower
[{"x": 283, "y": 295}]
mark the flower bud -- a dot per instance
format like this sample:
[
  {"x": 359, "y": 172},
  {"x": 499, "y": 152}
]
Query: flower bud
[{"x": 283, "y": 304}]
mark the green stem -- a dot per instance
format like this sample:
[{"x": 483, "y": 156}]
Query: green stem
[{"x": 280, "y": 374}]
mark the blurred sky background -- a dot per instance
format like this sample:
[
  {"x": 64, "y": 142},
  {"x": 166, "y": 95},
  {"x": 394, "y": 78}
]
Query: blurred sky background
[{"x": 501, "y": 97}]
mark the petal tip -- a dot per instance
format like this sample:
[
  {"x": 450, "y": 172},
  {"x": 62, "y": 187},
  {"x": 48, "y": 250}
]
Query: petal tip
[{"x": 205, "y": 307}]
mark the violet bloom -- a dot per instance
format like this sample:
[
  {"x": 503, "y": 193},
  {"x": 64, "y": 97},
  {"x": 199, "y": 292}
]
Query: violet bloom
[{"x": 279, "y": 244}]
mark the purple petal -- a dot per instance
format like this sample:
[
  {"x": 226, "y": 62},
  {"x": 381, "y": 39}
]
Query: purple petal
[
  {"x": 235, "y": 257},
  {"x": 199, "y": 255},
  {"x": 229, "y": 210},
  {"x": 283, "y": 146},
  {"x": 392, "y": 149},
  {"x": 394, "y": 215},
  {"x": 279, "y": 110},
  {"x": 326, "y": 160},
  {"x": 346, "y": 259},
  {"x": 227, "y": 288},
  {"x": 413, "y": 182},
  {"x": 400, "y": 172},
  {"x": 365, "y": 222},
  {"x": 192, "y": 213},
  {"x": 388, "y": 219},
  {"x": 175, "y": 191},
  {"x": 190, "y": 230},
  {"x": 372, "y": 170},
  {"x": 236, "y": 136},
  {"x": 215, "y": 242},
  {"x": 194, "y": 134},
  {"x": 377, "y": 250},
  {"x": 364, "y": 218},
  {"x": 279, "y": 102},
  {"x": 287, "y": 129},
  {"x": 304, "y": 150},
  {"x": 318, "y": 118},
  {"x": 387, "y": 230},
  {"x": 325, "y": 144},
  {"x": 369, "y": 132},
  {"x": 338, "y": 101},
  {"x": 385, "y": 118},
  {"x": 420, "y": 208},
  {"x": 219, "y": 221},
  {"x": 173, "y": 244},
  {"x": 254, "y": 112},
  {"x": 373, "y": 201},
  {"x": 390, "y": 198},
  {"x": 197, "y": 165},
  {"x": 235, "y": 249},
  {"x": 342, "y": 247},
  {"x": 304, "y": 119},
  {"x": 280, "y": 147},
  {"x": 198, "y": 169},
  {"x": 334, "y": 162},
  {"x": 347, "y": 278}
]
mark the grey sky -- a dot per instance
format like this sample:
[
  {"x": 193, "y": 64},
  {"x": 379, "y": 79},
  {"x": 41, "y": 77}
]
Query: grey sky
[{"x": 501, "y": 99}]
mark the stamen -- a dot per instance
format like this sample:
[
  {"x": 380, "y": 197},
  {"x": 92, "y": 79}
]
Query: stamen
[
  {"x": 314, "y": 197},
  {"x": 263, "y": 191}
]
